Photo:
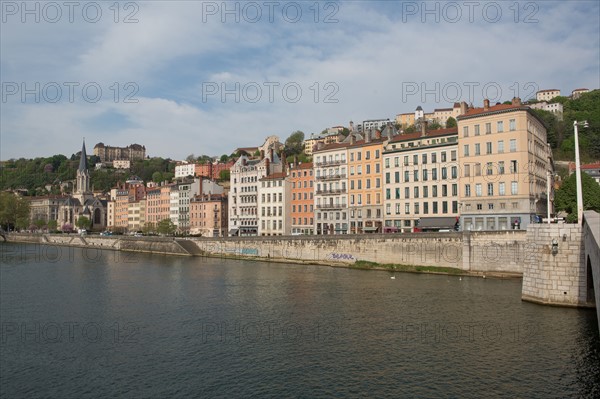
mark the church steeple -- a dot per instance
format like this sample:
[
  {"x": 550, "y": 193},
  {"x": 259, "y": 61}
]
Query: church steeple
[
  {"x": 83, "y": 165},
  {"x": 83, "y": 175}
]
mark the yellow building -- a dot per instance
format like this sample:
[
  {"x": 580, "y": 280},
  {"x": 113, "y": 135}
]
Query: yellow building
[{"x": 504, "y": 160}]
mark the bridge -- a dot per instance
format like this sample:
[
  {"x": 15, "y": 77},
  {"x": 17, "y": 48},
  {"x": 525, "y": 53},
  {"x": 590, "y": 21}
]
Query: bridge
[{"x": 564, "y": 268}]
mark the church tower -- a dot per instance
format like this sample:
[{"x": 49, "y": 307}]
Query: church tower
[{"x": 83, "y": 177}]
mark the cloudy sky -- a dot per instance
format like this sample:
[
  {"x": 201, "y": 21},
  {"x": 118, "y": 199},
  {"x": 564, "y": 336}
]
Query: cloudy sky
[{"x": 207, "y": 77}]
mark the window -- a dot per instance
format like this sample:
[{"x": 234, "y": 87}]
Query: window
[
  {"x": 491, "y": 207},
  {"x": 434, "y": 191},
  {"x": 388, "y": 209},
  {"x": 407, "y": 209},
  {"x": 513, "y": 145},
  {"x": 477, "y": 149},
  {"x": 513, "y": 166},
  {"x": 500, "y": 146},
  {"x": 406, "y": 192},
  {"x": 415, "y": 159},
  {"x": 376, "y": 154},
  {"x": 434, "y": 174},
  {"x": 479, "y": 207},
  {"x": 477, "y": 169},
  {"x": 368, "y": 171},
  {"x": 513, "y": 188},
  {"x": 465, "y": 131},
  {"x": 368, "y": 155},
  {"x": 396, "y": 162},
  {"x": 416, "y": 192},
  {"x": 478, "y": 189},
  {"x": 476, "y": 130},
  {"x": 490, "y": 189},
  {"x": 501, "y": 167},
  {"x": 433, "y": 157},
  {"x": 444, "y": 190},
  {"x": 490, "y": 168},
  {"x": 454, "y": 172},
  {"x": 406, "y": 160},
  {"x": 397, "y": 191},
  {"x": 416, "y": 208},
  {"x": 424, "y": 174},
  {"x": 455, "y": 189},
  {"x": 500, "y": 126},
  {"x": 488, "y": 147},
  {"x": 397, "y": 177},
  {"x": 376, "y": 168},
  {"x": 501, "y": 188},
  {"x": 488, "y": 128},
  {"x": 424, "y": 157},
  {"x": 444, "y": 173},
  {"x": 406, "y": 175},
  {"x": 425, "y": 208},
  {"x": 388, "y": 194},
  {"x": 444, "y": 156},
  {"x": 453, "y": 155},
  {"x": 435, "y": 207},
  {"x": 512, "y": 125},
  {"x": 387, "y": 162},
  {"x": 467, "y": 170},
  {"x": 425, "y": 192},
  {"x": 416, "y": 175},
  {"x": 387, "y": 178}
]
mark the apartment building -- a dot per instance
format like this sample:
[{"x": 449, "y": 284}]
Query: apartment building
[
  {"x": 575, "y": 94},
  {"x": 273, "y": 202},
  {"x": 158, "y": 204},
  {"x": 547, "y": 95},
  {"x": 136, "y": 215},
  {"x": 243, "y": 194},
  {"x": 504, "y": 161},
  {"x": 208, "y": 215},
  {"x": 331, "y": 136},
  {"x": 331, "y": 187},
  {"x": 421, "y": 180},
  {"x": 555, "y": 108},
  {"x": 301, "y": 182},
  {"x": 365, "y": 193}
]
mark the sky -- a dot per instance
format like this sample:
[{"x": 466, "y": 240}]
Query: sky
[{"x": 192, "y": 77}]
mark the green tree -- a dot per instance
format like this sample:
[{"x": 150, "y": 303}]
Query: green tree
[
  {"x": 451, "y": 122},
  {"x": 410, "y": 129},
  {"x": 166, "y": 227},
  {"x": 14, "y": 211},
  {"x": 148, "y": 228},
  {"x": 224, "y": 175},
  {"x": 157, "y": 177},
  {"x": 565, "y": 198},
  {"x": 83, "y": 222},
  {"x": 224, "y": 158},
  {"x": 52, "y": 224},
  {"x": 293, "y": 144},
  {"x": 434, "y": 126},
  {"x": 40, "y": 223}
]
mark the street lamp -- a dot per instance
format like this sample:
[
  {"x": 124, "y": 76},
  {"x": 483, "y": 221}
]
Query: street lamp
[{"x": 578, "y": 172}]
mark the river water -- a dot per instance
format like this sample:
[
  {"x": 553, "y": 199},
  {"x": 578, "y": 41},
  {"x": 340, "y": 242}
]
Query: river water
[{"x": 79, "y": 324}]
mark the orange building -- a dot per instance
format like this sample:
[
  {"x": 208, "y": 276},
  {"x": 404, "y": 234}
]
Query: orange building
[
  {"x": 365, "y": 161},
  {"x": 208, "y": 215},
  {"x": 302, "y": 213},
  {"x": 157, "y": 204}
]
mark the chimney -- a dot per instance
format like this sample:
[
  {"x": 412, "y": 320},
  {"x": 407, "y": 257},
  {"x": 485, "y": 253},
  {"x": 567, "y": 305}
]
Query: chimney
[
  {"x": 516, "y": 101},
  {"x": 352, "y": 139},
  {"x": 463, "y": 107},
  {"x": 351, "y": 126},
  {"x": 368, "y": 135},
  {"x": 295, "y": 159},
  {"x": 271, "y": 154},
  {"x": 267, "y": 162},
  {"x": 486, "y": 104},
  {"x": 378, "y": 134},
  {"x": 262, "y": 154},
  {"x": 423, "y": 128}
]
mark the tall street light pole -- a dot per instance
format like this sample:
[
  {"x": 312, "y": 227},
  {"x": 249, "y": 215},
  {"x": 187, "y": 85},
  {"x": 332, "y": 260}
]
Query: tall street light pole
[{"x": 578, "y": 172}]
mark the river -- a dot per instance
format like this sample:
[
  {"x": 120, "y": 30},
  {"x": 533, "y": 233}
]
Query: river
[{"x": 87, "y": 323}]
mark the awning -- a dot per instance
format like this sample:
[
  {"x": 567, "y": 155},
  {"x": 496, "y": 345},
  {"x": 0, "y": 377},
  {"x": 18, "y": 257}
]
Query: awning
[
  {"x": 437, "y": 223},
  {"x": 233, "y": 232},
  {"x": 370, "y": 229}
]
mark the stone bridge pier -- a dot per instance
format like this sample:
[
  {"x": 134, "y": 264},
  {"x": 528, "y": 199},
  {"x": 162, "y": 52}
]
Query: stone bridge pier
[{"x": 563, "y": 269}]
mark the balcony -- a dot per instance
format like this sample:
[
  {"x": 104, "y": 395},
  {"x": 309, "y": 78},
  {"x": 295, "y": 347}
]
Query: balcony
[
  {"x": 331, "y": 163},
  {"x": 331, "y": 192},
  {"x": 335, "y": 176},
  {"x": 331, "y": 206}
]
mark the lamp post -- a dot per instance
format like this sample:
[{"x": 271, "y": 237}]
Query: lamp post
[{"x": 578, "y": 172}]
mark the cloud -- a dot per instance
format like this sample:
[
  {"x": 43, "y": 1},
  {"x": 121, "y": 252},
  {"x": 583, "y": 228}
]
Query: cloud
[{"x": 354, "y": 69}]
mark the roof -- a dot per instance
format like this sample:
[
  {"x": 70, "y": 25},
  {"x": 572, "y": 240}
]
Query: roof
[
  {"x": 332, "y": 146},
  {"x": 580, "y": 89},
  {"x": 83, "y": 165},
  {"x": 275, "y": 176},
  {"x": 363, "y": 142},
  {"x": 547, "y": 90},
  {"x": 430, "y": 133},
  {"x": 305, "y": 165},
  {"x": 494, "y": 109}
]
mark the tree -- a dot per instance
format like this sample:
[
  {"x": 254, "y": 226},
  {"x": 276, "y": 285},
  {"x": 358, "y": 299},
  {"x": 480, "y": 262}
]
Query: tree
[
  {"x": 293, "y": 144},
  {"x": 224, "y": 158},
  {"x": 451, "y": 122},
  {"x": 157, "y": 177},
  {"x": 39, "y": 223},
  {"x": 566, "y": 196},
  {"x": 14, "y": 211},
  {"x": 83, "y": 222},
  {"x": 224, "y": 175},
  {"x": 166, "y": 227},
  {"x": 52, "y": 224},
  {"x": 434, "y": 126},
  {"x": 148, "y": 228},
  {"x": 190, "y": 158},
  {"x": 410, "y": 129}
]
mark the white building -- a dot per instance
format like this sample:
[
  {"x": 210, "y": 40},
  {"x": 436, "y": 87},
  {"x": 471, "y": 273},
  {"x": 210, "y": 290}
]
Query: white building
[
  {"x": 331, "y": 188},
  {"x": 244, "y": 180},
  {"x": 547, "y": 95},
  {"x": 555, "y": 108},
  {"x": 121, "y": 164},
  {"x": 274, "y": 197},
  {"x": 185, "y": 169},
  {"x": 421, "y": 181},
  {"x": 374, "y": 124}
]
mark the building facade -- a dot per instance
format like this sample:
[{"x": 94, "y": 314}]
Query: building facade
[
  {"x": 109, "y": 154},
  {"x": 547, "y": 95},
  {"x": 504, "y": 163},
  {"x": 273, "y": 202},
  {"x": 421, "y": 180},
  {"x": 301, "y": 182},
  {"x": 208, "y": 215}
]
